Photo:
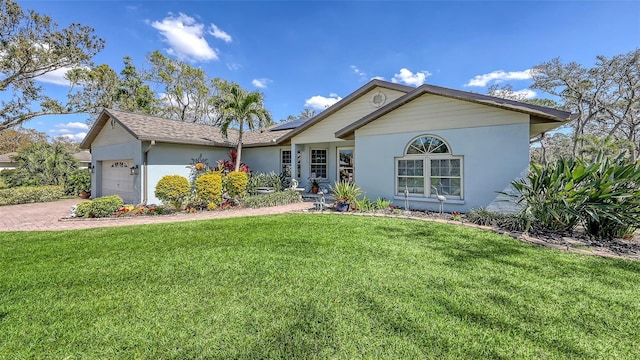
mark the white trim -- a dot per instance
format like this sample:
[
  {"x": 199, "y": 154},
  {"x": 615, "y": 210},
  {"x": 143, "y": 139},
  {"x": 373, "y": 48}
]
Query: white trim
[
  {"x": 290, "y": 163},
  {"x": 326, "y": 163},
  {"x": 406, "y": 148},
  {"x": 353, "y": 168},
  {"x": 426, "y": 166},
  {"x": 430, "y": 200}
]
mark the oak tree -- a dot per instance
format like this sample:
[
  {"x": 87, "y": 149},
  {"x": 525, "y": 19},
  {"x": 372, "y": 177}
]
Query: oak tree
[{"x": 32, "y": 45}]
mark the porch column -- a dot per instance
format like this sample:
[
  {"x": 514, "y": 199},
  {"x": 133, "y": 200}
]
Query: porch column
[{"x": 294, "y": 161}]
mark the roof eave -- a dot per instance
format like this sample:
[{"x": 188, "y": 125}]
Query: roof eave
[
  {"x": 550, "y": 114},
  {"x": 186, "y": 142}
]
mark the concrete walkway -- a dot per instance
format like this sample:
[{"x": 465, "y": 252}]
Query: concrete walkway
[{"x": 50, "y": 216}]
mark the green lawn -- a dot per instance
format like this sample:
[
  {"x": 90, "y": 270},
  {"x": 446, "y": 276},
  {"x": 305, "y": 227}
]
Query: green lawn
[{"x": 309, "y": 286}]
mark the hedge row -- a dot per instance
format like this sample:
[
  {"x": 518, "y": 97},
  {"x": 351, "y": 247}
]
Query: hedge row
[
  {"x": 273, "y": 199},
  {"x": 30, "y": 194}
]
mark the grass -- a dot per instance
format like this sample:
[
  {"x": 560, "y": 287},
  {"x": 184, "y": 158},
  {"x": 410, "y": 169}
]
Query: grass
[{"x": 309, "y": 286}]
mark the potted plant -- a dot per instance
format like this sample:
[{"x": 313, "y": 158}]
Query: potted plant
[
  {"x": 315, "y": 186},
  {"x": 79, "y": 183},
  {"x": 345, "y": 193}
]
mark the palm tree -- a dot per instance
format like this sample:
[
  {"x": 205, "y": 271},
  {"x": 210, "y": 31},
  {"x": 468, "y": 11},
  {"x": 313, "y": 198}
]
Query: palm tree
[
  {"x": 242, "y": 109},
  {"x": 44, "y": 164}
]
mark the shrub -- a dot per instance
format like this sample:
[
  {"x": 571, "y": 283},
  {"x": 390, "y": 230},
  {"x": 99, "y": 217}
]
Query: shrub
[
  {"x": 105, "y": 206},
  {"x": 83, "y": 209},
  {"x": 43, "y": 164},
  {"x": 236, "y": 184},
  {"x": 80, "y": 180},
  {"x": 382, "y": 204},
  {"x": 482, "y": 217},
  {"x": 609, "y": 200},
  {"x": 30, "y": 194},
  {"x": 209, "y": 188},
  {"x": 546, "y": 193},
  {"x": 345, "y": 191},
  {"x": 604, "y": 195},
  {"x": 173, "y": 190},
  {"x": 264, "y": 180},
  {"x": 10, "y": 177},
  {"x": 512, "y": 222},
  {"x": 364, "y": 205},
  {"x": 273, "y": 199}
]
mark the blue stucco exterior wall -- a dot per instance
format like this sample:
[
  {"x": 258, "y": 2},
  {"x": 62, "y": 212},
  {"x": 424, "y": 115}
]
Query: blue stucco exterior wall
[{"x": 493, "y": 156}]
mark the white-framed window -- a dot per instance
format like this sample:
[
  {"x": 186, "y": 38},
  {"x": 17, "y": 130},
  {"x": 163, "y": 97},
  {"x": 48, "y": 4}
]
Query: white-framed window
[
  {"x": 318, "y": 163},
  {"x": 428, "y": 165},
  {"x": 285, "y": 163},
  {"x": 345, "y": 163}
]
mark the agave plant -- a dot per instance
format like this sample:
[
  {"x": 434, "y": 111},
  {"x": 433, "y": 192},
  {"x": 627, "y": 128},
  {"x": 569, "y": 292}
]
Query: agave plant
[{"x": 345, "y": 191}]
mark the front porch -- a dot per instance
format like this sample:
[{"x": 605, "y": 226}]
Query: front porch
[{"x": 325, "y": 163}]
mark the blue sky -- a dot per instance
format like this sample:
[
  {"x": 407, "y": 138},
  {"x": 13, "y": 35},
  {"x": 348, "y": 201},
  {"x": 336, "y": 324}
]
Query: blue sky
[{"x": 311, "y": 53}]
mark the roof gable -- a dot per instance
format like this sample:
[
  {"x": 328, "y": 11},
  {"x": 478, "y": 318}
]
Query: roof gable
[
  {"x": 540, "y": 112},
  {"x": 346, "y": 101}
]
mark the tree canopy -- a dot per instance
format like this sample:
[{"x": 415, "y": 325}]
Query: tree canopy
[
  {"x": 12, "y": 140},
  {"x": 32, "y": 45},
  {"x": 605, "y": 98}
]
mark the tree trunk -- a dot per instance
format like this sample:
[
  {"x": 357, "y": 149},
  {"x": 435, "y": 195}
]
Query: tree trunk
[{"x": 239, "y": 152}]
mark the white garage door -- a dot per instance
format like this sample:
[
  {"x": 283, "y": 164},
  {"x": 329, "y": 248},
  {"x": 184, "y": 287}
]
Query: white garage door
[{"x": 117, "y": 179}]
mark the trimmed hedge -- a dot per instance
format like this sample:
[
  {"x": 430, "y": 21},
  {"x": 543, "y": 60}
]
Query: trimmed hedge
[
  {"x": 209, "y": 189},
  {"x": 105, "y": 206},
  {"x": 173, "y": 190},
  {"x": 30, "y": 194},
  {"x": 273, "y": 199},
  {"x": 236, "y": 184}
]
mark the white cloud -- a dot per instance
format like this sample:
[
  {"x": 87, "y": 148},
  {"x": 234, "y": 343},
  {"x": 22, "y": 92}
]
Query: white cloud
[
  {"x": 185, "y": 37},
  {"x": 498, "y": 76},
  {"x": 219, "y": 34},
  {"x": 378, "y": 78},
  {"x": 234, "y": 66},
  {"x": 405, "y": 76},
  {"x": 73, "y": 125},
  {"x": 55, "y": 77},
  {"x": 261, "y": 83},
  {"x": 360, "y": 73},
  {"x": 70, "y": 130},
  {"x": 75, "y": 137},
  {"x": 524, "y": 94},
  {"x": 319, "y": 102}
]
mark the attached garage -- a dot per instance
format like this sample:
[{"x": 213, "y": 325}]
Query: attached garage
[{"x": 117, "y": 179}]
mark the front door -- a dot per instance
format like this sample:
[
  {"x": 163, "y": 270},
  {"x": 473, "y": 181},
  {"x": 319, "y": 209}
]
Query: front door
[{"x": 346, "y": 163}]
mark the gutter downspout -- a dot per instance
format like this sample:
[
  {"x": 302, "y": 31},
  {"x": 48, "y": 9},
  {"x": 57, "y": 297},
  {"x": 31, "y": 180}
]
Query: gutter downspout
[{"x": 145, "y": 176}]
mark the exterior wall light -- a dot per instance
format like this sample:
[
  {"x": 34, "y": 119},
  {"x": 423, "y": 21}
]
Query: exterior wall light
[{"x": 134, "y": 170}]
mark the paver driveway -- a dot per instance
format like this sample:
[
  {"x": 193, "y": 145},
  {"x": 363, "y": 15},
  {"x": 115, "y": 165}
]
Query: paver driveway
[{"x": 47, "y": 216}]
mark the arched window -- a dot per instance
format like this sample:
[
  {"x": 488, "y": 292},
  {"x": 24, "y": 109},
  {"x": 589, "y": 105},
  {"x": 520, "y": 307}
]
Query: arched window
[
  {"x": 427, "y": 145},
  {"x": 428, "y": 167}
]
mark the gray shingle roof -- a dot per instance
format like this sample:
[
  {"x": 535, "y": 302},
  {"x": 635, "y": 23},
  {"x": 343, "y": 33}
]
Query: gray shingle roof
[
  {"x": 147, "y": 128},
  {"x": 7, "y": 157}
]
